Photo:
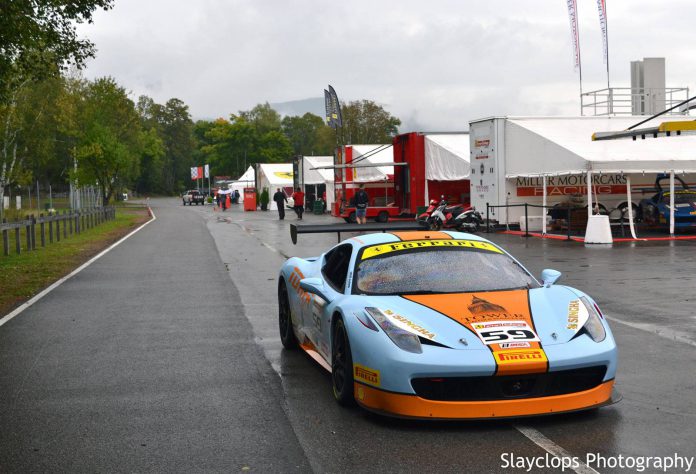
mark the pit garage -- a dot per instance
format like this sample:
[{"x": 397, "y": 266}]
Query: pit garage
[{"x": 553, "y": 162}]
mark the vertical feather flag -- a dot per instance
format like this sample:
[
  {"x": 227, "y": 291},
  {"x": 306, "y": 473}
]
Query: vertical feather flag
[
  {"x": 336, "y": 107},
  {"x": 328, "y": 107},
  {"x": 602, "y": 7},
  {"x": 575, "y": 34}
]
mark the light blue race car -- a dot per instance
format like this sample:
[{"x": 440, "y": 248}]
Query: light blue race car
[{"x": 445, "y": 325}]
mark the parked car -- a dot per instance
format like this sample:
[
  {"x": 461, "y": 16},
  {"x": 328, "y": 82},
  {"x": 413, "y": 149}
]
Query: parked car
[
  {"x": 193, "y": 196},
  {"x": 655, "y": 210}
]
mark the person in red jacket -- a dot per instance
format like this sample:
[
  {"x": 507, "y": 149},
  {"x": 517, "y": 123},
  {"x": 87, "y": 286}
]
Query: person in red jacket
[{"x": 298, "y": 197}]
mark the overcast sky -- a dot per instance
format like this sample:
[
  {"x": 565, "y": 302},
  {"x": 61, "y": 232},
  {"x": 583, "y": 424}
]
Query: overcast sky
[{"x": 434, "y": 64}]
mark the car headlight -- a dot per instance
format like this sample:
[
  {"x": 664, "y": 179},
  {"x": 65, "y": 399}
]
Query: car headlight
[
  {"x": 593, "y": 326},
  {"x": 402, "y": 338}
]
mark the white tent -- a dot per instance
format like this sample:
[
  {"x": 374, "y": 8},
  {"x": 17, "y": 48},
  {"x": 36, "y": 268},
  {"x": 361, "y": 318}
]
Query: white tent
[
  {"x": 447, "y": 156},
  {"x": 273, "y": 176},
  {"x": 563, "y": 145},
  {"x": 324, "y": 176},
  {"x": 247, "y": 180},
  {"x": 547, "y": 147},
  {"x": 368, "y": 154}
]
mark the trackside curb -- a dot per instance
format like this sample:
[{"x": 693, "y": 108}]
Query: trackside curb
[{"x": 56, "y": 284}]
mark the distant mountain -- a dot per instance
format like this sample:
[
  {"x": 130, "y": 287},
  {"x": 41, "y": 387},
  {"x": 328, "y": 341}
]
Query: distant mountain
[{"x": 314, "y": 105}]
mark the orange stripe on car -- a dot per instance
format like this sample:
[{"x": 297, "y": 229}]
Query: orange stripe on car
[
  {"x": 414, "y": 406},
  {"x": 421, "y": 234},
  {"x": 480, "y": 309}
]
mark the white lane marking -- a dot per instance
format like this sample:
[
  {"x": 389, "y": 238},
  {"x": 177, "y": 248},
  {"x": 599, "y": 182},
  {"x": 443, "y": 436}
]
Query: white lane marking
[
  {"x": 552, "y": 448},
  {"x": 661, "y": 331},
  {"x": 55, "y": 285}
]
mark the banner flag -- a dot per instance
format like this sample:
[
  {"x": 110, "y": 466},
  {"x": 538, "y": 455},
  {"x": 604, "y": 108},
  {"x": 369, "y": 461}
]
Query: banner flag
[
  {"x": 335, "y": 107},
  {"x": 575, "y": 34},
  {"x": 602, "y": 7},
  {"x": 194, "y": 173},
  {"x": 328, "y": 107},
  {"x": 207, "y": 171},
  {"x": 200, "y": 172}
]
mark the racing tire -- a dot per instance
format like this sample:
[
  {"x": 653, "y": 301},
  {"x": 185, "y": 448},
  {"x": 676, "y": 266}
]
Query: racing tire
[
  {"x": 382, "y": 217},
  {"x": 342, "y": 365},
  {"x": 351, "y": 218},
  {"x": 287, "y": 336}
]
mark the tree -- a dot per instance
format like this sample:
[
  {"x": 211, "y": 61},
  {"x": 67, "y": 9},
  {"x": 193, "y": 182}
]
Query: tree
[
  {"x": 172, "y": 123},
  {"x": 36, "y": 36},
  {"x": 306, "y": 135},
  {"x": 109, "y": 146},
  {"x": 263, "y": 117},
  {"x": 367, "y": 122}
]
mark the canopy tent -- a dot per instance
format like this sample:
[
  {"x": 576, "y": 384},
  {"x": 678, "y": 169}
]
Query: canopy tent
[
  {"x": 247, "y": 180},
  {"x": 447, "y": 156},
  {"x": 321, "y": 176},
  {"x": 527, "y": 147},
  {"x": 372, "y": 154},
  {"x": 563, "y": 145},
  {"x": 273, "y": 176}
]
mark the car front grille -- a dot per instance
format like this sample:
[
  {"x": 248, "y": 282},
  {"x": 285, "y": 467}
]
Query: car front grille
[{"x": 509, "y": 386}]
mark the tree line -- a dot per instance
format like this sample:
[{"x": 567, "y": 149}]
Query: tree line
[{"x": 56, "y": 127}]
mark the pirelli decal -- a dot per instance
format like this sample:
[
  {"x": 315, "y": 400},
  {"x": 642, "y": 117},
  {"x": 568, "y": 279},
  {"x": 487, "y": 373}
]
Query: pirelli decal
[
  {"x": 381, "y": 249},
  {"x": 366, "y": 374},
  {"x": 522, "y": 359}
]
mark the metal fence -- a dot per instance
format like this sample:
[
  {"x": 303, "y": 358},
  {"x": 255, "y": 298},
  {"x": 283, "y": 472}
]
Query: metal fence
[
  {"x": 569, "y": 220},
  {"x": 50, "y": 228}
]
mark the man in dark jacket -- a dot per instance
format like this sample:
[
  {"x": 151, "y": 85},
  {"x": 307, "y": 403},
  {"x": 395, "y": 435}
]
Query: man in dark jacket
[
  {"x": 280, "y": 200},
  {"x": 361, "y": 201}
]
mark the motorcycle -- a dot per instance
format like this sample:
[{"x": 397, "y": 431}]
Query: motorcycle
[{"x": 439, "y": 216}]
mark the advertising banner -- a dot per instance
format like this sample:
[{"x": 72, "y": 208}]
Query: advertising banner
[
  {"x": 194, "y": 173},
  {"x": 602, "y": 7},
  {"x": 328, "y": 108},
  {"x": 574, "y": 32}
]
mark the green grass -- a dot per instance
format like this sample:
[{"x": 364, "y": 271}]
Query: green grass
[{"x": 24, "y": 275}]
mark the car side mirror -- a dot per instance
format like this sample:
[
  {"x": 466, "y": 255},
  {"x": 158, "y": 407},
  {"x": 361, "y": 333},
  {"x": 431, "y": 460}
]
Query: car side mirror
[
  {"x": 549, "y": 277},
  {"x": 314, "y": 286}
]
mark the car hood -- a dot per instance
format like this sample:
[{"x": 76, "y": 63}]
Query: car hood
[{"x": 456, "y": 320}]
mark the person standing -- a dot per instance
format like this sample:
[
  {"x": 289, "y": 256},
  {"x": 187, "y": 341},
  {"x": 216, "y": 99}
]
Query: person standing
[
  {"x": 280, "y": 200},
  {"x": 361, "y": 201},
  {"x": 298, "y": 197}
]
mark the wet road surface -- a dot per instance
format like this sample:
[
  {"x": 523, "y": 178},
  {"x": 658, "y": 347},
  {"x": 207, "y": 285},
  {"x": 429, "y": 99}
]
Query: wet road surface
[{"x": 171, "y": 341}]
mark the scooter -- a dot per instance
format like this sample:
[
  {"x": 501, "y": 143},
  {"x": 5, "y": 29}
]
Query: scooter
[{"x": 439, "y": 216}]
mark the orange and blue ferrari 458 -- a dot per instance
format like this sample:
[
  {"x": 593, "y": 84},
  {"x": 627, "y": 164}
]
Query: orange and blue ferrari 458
[{"x": 445, "y": 325}]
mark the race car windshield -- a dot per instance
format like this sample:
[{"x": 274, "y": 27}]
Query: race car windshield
[{"x": 440, "y": 271}]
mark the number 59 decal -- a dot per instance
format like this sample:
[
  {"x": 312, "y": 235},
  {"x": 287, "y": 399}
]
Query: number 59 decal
[{"x": 496, "y": 332}]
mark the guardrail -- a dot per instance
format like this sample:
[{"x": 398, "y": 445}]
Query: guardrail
[{"x": 51, "y": 226}]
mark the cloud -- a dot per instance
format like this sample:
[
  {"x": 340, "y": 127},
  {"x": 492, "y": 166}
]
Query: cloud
[{"x": 434, "y": 65}]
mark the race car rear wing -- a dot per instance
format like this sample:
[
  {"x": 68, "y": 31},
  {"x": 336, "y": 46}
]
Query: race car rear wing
[{"x": 362, "y": 228}]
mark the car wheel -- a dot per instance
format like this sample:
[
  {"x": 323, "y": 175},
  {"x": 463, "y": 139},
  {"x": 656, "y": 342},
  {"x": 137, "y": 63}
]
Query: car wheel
[
  {"x": 352, "y": 219},
  {"x": 382, "y": 216},
  {"x": 342, "y": 365},
  {"x": 287, "y": 336}
]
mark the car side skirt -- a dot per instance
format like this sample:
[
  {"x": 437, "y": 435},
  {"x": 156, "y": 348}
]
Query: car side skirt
[{"x": 412, "y": 406}]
